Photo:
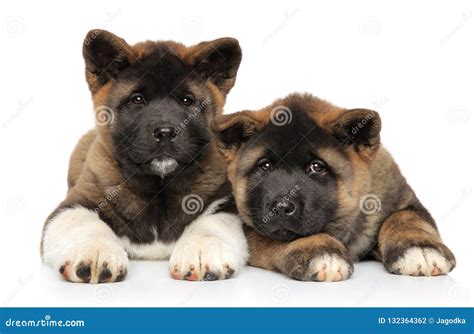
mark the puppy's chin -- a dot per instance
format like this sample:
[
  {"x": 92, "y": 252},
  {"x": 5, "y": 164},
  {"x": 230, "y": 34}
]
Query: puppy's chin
[{"x": 163, "y": 166}]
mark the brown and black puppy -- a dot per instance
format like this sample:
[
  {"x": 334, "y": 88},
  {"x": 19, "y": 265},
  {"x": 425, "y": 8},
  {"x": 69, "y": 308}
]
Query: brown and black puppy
[
  {"x": 149, "y": 182},
  {"x": 318, "y": 191}
]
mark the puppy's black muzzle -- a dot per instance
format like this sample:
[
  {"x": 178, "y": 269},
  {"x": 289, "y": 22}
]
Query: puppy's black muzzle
[{"x": 163, "y": 134}]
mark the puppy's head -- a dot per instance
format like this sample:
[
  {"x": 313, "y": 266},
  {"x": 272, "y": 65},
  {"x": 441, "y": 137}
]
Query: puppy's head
[
  {"x": 154, "y": 101},
  {"x": 299, "y": 164}
]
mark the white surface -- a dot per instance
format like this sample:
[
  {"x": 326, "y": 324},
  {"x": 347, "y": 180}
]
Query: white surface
[
  {"x": 149, "y": 284},
  {"x": 411, "y": 61}
]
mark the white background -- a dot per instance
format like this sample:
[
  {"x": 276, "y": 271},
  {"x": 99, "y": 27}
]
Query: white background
[{"x": 411, "y": 61}]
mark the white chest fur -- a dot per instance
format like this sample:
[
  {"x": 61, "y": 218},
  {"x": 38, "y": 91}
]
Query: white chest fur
[{"x": 156, "y": 250}]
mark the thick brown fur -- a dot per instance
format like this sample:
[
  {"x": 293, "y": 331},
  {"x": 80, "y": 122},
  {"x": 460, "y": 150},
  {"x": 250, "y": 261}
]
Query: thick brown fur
[
  {"x": 363, "y": 167},
  {"x": 96, "y": 180}
]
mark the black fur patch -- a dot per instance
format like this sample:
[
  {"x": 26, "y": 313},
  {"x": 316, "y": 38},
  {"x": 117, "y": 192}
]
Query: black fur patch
[{"x": 290, "y": 150}]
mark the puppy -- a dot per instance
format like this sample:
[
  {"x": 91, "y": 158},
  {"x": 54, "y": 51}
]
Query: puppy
[
  {"x": 148, "y": 181},
  {"x": 318, "y": 191}
]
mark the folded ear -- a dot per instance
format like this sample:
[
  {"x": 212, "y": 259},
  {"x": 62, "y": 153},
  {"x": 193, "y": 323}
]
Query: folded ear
[
  {"x": 105, "y": 55},
  {"x": 218, "y": 61},
  {"x": 233, "y": 130},
  {"x": 358, "y": 127}
]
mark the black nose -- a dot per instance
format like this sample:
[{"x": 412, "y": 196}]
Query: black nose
[
  {"x": 164, "y": 133},
  {"x": 284, "y": 208}
]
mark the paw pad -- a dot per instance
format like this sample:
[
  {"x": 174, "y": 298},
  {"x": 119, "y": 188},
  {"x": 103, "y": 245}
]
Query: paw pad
[
  {"x": 83, "y": 271},
  {"x": 95, "y": 263},
  {"x": 191, "y": 275},
  {"x": 229, "y": 272},
  {"x": 105, "y": 275},
  {"x": 210, "y": 276},
  {"x": 417, "y": 261},
  {"x": 329, "y": 268}
]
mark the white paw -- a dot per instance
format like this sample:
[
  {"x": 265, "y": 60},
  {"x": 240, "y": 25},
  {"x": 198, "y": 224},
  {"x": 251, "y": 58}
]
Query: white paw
[
  {"x": 329, "y": 268},
  {"x": 212, "y": 248},
  {"x": 83, "y": 248},
  {"x": 94, "y": 261},
  {"x": 422, "y": 262}
]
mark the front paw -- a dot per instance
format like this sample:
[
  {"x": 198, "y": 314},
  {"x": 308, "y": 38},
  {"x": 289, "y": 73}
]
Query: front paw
[
  {"x": 212, "y": 248},
  {"x": 318, "y": 265},
  {"x": 94, "y": 261},
  {"x": 421, "y": 261},
  {"x": 205, "y": 258}
]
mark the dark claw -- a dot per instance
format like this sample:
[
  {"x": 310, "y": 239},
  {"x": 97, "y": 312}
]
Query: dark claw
[
  {"x": 210, "y": 276},
  {"x": 297, "y": 274},
  {"x": 121, "y": 276},
  {"x": 396, "y": 272},
  {"x": 84, "y": 272},
  {"x": 105, "y": 275},
  {"x": 229, "y": 273}
]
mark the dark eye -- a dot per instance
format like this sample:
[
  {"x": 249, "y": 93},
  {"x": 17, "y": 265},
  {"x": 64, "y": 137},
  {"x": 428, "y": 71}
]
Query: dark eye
[
  {"x": 137, "y": 99},
  {"x": 265, "y": 165},
  {"x": 317, "y": 167},
  {"x": 188, "y": 100}
]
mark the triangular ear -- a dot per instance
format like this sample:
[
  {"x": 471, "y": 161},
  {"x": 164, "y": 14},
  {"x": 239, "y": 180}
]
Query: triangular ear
[
  {"x": 105, "y": 55},
  {"x": 233, "y": 130},
  {"x": 218, "y": 61},
  {"x": 358, "y": 127}
]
